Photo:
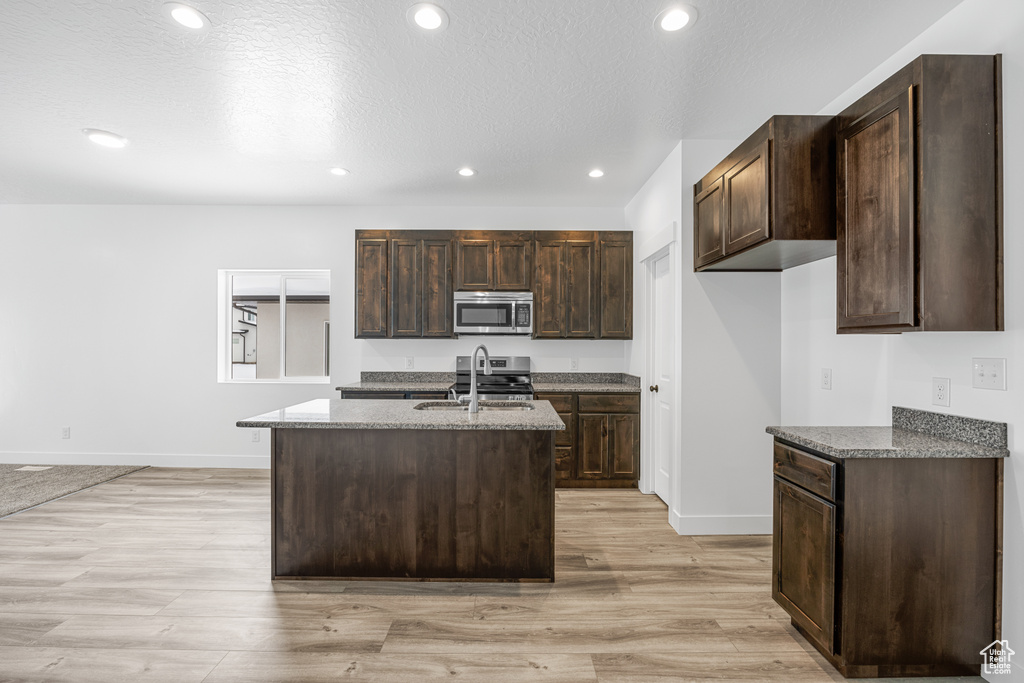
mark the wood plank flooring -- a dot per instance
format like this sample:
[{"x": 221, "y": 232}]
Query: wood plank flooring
[{"x": 163, "y": 575}]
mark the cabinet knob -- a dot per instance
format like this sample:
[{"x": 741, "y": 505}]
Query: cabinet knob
[{"x": 654, "y": 387}]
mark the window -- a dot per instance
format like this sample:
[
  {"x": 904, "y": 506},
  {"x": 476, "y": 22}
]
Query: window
[{"x": 274, "y": 326}]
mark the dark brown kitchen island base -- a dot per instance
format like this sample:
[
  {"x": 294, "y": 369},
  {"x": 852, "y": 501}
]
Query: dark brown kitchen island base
[{"x": 415, "y": 505}]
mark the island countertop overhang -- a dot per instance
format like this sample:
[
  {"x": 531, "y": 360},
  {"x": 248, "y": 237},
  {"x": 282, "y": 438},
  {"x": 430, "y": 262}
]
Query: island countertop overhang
[{"x": 391, "y": 414}]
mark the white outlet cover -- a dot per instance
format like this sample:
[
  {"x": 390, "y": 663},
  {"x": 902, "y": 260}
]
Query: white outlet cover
[
  {"x": 988, "y": 373},
  {"x": 826, "y": 379},
  {"x": 940, "y": 391},
  {"x": 410, "y": 362}
]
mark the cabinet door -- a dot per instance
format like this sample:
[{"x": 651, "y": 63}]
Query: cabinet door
[
  {"x": 875, "y": 233},
  {"x": 405, "y": 287},
  {"x": 592, "y": 446},
  {"x": 549, "y": 289},
  {"x": 437, "y": 288},
  {"x": 581, "y": 289},
  {"x": 708, "y": 209},
  {"x": 474, "y": 268},
  {"x": 512, "y": 264},
  {"x": 624, "y": 446},
  {"x": 616, "y": 314},
  {"x": 746, "y": 187},
  {"x": 803, "y": 560},
  {"x": 371, "y": 288}
]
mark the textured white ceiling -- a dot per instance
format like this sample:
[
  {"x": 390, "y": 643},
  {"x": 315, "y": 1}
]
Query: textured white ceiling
[{"x": 532, "y": 93}]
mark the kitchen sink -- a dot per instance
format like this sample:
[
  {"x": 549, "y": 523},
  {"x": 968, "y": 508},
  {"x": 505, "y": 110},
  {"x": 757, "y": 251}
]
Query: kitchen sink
[{"x": 484, "y": 405}]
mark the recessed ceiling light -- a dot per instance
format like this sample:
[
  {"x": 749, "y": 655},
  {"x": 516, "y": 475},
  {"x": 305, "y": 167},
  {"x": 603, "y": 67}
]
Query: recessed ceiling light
[
  {"x": 676, "y": 18},
  {"x": 187, "y": 16},
  {"x": 105, "y": 138},
  {"x": 466, "y": 172},
  {"x": 596, "y": 173},
  {"x": 337, "y": 170},
  {"x": 427, "y": 16}
]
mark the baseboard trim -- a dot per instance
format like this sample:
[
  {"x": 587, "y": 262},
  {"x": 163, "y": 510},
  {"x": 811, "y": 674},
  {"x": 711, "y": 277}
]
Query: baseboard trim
[
  {"x": 151, "y": 459},
  {"x": 720, "y": 525}
]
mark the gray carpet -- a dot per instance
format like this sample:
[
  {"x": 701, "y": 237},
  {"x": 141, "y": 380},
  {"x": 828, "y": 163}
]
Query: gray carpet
[{"x": 21, "y": 489}]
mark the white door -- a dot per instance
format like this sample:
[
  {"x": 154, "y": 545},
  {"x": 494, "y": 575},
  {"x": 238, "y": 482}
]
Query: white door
[{"x": 662, "y": 331}]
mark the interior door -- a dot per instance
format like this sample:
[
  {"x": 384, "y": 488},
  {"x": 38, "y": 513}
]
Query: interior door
[{"x": 662, "y": 317}]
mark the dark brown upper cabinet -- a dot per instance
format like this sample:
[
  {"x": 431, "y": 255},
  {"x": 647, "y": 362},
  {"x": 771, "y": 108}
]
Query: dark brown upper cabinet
[
  {"x": 919, "y": 239},
  {"x": 582, "y": 282},
  {"x": 403, "y": 284},
  {"x": 489, "y": 260},
  {"x": 615, "y": 253},
  {"x": 371, "y": 285},
  {"x": 565, "y": 299},
  {"x": 770, "y": 204}
]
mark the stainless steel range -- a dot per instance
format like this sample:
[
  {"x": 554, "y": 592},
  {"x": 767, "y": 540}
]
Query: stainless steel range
[{"x": 509, "y": 379}]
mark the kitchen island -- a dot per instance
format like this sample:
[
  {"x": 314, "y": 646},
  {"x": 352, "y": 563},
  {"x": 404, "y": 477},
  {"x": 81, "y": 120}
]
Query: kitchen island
[{"x": 378, "y": 489}]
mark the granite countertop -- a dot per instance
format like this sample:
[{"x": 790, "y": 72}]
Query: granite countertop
[
  {"x": 914, "y": 434},
  {"x": 389, "y": 414},
  {"x": 575, "y": 382}
]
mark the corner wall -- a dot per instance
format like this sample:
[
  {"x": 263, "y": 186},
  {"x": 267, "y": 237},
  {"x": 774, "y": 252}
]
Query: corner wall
[{"x": 728, "y": 365}]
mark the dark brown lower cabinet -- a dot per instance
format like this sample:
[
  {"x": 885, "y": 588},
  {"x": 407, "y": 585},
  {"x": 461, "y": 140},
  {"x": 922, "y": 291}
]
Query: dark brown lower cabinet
[
  {"x": 889, "y": 566},
  {"x": 600, "y": 447}
]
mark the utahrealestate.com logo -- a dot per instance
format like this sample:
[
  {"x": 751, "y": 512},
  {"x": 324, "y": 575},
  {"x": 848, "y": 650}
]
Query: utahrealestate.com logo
[{"x": 995, "y": 658}]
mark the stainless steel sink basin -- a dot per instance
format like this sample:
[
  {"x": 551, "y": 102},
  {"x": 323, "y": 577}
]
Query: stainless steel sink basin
[{"x": 484, "y": 405}]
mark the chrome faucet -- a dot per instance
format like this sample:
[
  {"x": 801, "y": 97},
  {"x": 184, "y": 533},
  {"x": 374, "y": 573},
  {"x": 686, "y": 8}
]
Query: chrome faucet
[{"x": 474, "y": 397}]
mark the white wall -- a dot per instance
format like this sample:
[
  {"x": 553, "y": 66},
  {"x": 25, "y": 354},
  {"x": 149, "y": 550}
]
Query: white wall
[
  {"x": 730, "y": 340},
  {"x": 90, "y": 366},
  {"x": 871, "y": 373}
]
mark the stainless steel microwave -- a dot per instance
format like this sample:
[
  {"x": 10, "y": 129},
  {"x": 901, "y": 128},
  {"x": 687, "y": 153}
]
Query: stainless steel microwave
[{"x": 493, "y": 312}]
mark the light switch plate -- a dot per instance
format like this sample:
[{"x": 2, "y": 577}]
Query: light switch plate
[
  {"x": 826, "y": 379},
  {"x": 988, "y": 373},
  {"x": 940, "y": 391}
]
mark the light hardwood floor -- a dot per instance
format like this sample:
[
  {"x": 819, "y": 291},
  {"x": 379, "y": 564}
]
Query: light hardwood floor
[{"x": 163, "y": 575}]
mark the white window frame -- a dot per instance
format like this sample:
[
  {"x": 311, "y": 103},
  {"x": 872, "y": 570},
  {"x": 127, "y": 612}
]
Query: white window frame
[{"x": 225, "y": 325}]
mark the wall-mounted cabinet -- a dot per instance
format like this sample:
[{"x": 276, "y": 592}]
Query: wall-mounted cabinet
[
  {"x": 565, "y": 291},
  {"x": 493, "y": 261},
  {"x": 582, "y": 281},
  {"x": 403, "y": 284},
  {"x": 919, "y": 238},
  {"x": 770, "y": 204}
]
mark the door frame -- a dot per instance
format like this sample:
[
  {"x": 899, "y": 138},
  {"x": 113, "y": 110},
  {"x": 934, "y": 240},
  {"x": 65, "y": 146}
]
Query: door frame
[{"x": 665, "y": 241}]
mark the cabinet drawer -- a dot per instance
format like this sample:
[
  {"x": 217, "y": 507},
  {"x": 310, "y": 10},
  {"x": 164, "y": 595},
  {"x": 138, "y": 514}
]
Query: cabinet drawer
[
  {"x": 562, "y": 403},
  {"x": 609, "y": 403},
  {"x": 373, "y": 394},
  {"x": 810, "y": 472}
]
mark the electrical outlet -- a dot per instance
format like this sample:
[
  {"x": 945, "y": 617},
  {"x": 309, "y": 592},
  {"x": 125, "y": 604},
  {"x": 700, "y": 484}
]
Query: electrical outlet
[
  {"x": 65, "y": 432},
  {"x": 574, "y": 363},
  {"x": 988, "y": 373},
  {"x": 826, "y": 379},
  {"x": 410, "y": 362},
  {"x": 940, "y": 391},
  {"x": 255, "y": 436}
]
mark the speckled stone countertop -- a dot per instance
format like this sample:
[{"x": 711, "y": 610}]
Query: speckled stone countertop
[
  {"x": 914, "y": 434},
  {"x": 576, "y": 382},
  {"x": 389, "y": 414},
  {"x": 586, "y": 382}
]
